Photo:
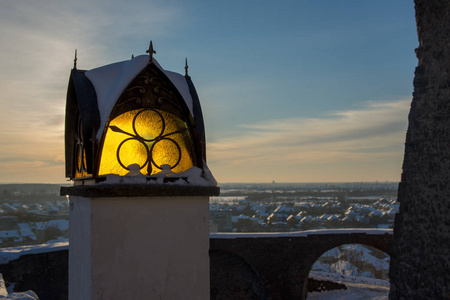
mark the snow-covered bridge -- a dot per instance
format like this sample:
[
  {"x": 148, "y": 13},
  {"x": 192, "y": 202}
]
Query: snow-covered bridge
[{"x": 277, "y": 265}]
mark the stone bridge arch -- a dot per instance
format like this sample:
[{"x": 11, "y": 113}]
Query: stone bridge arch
[
  {"x": 326, "y": 242},
  {"x": 283, "y": 260}
]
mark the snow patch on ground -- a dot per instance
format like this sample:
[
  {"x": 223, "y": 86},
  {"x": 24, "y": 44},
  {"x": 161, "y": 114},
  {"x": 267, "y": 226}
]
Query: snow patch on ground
[
  {"x": 347, "y": 278},
  {"x": 28, "y": 295},
  {"x": 4, "y": 294},
  {"x": 358, "y": 288},
  {"x": 3, "y": 291}
]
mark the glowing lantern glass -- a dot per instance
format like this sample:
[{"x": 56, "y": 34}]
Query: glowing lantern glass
[
  {"x": 152, "y": 125},
  {"x": 150, "y": 138}
]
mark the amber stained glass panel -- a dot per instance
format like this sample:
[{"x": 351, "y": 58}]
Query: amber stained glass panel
[{"x": 146, "y": 136}]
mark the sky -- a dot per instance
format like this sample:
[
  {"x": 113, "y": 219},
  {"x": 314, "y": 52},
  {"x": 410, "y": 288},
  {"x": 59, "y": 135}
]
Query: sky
[{"x": 291, "y": 91}]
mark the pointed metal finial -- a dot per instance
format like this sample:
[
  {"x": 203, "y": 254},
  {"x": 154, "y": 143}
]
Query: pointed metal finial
[
  {"x": 132, "y": 56},
  {"x": 186, "y": 68},
  {"x": 151, "y": 51},
  {"x": 75, "y": 60}
]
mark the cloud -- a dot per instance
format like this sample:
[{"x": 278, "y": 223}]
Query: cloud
[
  {"x": 373, "y": 135},
  {"x": 38, "y": 43}
]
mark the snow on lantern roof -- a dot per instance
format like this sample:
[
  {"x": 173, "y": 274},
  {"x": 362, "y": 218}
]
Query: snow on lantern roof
[{"x": 111, "y": 80}]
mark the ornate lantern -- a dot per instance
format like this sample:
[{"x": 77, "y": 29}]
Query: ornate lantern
[
  {"x": 135, "y": 149},
  {"x": 134, "y": 118}
]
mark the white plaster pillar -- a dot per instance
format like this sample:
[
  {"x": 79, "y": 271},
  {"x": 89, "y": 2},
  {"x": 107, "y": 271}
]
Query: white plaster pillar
[{"x": 141, "y": 247}]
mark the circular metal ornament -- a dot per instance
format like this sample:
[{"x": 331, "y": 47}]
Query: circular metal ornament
[
  {"x": 177, "y": 146},
  {"x": 163, "y": 127},
  {"x": 120, "y": 146}
]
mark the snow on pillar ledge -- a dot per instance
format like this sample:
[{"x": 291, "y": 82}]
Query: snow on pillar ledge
[{"x": 139, "y": 241}]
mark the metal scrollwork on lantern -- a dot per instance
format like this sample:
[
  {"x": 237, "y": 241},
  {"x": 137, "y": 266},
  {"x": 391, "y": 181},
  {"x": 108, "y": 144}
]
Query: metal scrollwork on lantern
[{"x": 80, "y": 153}]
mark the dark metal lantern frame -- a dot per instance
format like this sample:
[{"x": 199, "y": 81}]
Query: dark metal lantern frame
[{"x": 151, "y": 90}]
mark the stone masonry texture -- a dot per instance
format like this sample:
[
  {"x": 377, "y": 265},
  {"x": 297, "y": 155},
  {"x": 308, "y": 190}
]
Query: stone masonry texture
[{"x": 420, "y": 265}]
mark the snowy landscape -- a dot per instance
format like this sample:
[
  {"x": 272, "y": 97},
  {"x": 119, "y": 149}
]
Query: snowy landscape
[
  {"x": 294, "y": 207},
  {"x": 32, "y": 214},
  {"x": 34, "y": 219}
]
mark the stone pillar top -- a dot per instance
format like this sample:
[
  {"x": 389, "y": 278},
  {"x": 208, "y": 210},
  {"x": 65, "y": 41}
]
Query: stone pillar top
[{"x": 138, "y": 190}]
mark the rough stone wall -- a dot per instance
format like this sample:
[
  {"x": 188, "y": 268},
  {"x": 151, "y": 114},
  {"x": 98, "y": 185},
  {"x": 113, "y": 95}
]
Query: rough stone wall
[
  {"x": 233, "y": 278},
  {"x": 420, "y": 264},
  {"x": 46, "y": 274}
]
